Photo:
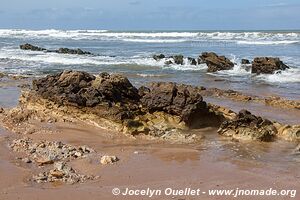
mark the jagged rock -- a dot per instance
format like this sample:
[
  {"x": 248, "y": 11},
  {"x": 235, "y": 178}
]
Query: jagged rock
[
  {"x": 245, "y": 62},
  {"x": 289, "y": 132},
  {"x": 178, "y": 59},
  {"x": 108, "y": 160},
  {"x": 60, "y": 50},
  {"x": 31, "y": 47},
  {"x": 83, "y": 89},
  {"x": 158, "y": 57},
  {"x": 267, "y": 65},
  {"x": 192, "y": 61},
  {"x": 246, "y": 126},
  {"x": 1, "y": 110},
  {"x": 73, "y": 51},
  {"x": 176, "y": 99},
  {"x": 215, "y": 62}
]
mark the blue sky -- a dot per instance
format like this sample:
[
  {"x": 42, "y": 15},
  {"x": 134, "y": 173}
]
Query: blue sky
[{"x": 151, "y": 14}]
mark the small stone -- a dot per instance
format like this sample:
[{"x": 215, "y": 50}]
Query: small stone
[
  {"x": 44, "y": 161},
  {"x": 26, "y": 160},
  {"x": 57, "y": 174},
  {"x": 59, "y": 165},
  {"x": 77, "y": 154},
  {"x": 1, "y": 110},
  {"x": 108, "y": 160}
]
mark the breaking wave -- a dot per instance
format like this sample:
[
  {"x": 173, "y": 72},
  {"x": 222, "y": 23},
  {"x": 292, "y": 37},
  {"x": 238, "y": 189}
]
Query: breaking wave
[{"x": 249, "y": 38}]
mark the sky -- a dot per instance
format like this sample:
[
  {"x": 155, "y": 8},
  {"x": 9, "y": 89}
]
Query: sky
[{"x": 151, "y": 14}]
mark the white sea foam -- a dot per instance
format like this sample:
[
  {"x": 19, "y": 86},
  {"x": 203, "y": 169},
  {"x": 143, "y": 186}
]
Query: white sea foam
[
  {"x": 259, "y": 42},
  {"x": 155, "y": 40},
  {"x": 254, "y": 38},
  {"x": 288, "y": 76}
]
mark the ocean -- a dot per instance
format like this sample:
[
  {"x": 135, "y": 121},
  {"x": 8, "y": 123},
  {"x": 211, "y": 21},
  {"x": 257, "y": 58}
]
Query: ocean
[{"x": 130, "y": 53}]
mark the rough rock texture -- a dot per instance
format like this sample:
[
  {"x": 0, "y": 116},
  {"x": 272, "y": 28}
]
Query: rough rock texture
[
  {"x": 158, "y": 57},
  {"x": 105, "y": 160},
  {"x": 161, "y": 110},
  {"x": 83, "y": 89},
  {"x": 45, "y": 152},
  {"x": 61, "y": 172},
  {"x": 288, "y": 132},
  {"x": 267, "y": 65},
  {"x": 245, "y": 62},
  {"x": 215, "y": 62},
  {"x": 246, "y": 126},
  {"x": 73, "y": 51},
  {"x": 110, "y": 101},
  {"x": 177, "y": 99},
  {"x": 178, "y": 59},
  {"x": 61, "y": 50},
  {"x": 31, "y": 47}
]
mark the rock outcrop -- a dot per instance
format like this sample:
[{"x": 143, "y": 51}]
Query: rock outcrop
[
  {"x": 267, "y": 65},
  {"x": 158, "y": 57},
  {"x": 72, "y": 51},
  {"x": 215, "y": 62},
  {"x": 246, "y": 126},
  {"x": 178, "y": 59},
  {"x": 112, "y": 101},
  {"x": 31, "y": 47},
  {"x": 60, "y": 50},
  {"x": 180, "y": 100},
  {"x": 162, "y": 110}
]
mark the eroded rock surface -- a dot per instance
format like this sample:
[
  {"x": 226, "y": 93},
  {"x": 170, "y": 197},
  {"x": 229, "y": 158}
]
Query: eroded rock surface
[
  {"x": 60, "y": 50},
  {"x": 215, "y": 62},
  {"x": 31, "y": 47},
  {"x": 267, "y": 65},
  {"x": 248, "y": 126},
  {"x": 63, "y": 173}
]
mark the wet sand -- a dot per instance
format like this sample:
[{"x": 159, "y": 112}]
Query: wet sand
[{"x": 213, "y": 163}]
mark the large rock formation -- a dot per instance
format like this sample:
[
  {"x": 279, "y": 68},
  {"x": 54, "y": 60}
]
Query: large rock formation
[
  {"x": 111, "y": 101},
  {"x": 164, "y": 110},
  {"x": 180, "y": 100},
  {"x": 267, "y": 65},
  {"x": 215, "y": 62},
  {"x": 60, "y": 50},
  {"x": 246, "y": 126}
]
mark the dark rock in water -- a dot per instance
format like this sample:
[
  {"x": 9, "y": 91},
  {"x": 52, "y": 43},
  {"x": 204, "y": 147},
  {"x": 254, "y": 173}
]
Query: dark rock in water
[
  {"x": 192, "y": 61},
  {"x": 267, "y": 65},
  {"x": 61, "y": 50},
  {"x": 169, "y": 62},
  {"x": 72, "y": 51},
  {"x": 82, "y": 89},
  {"x": 215, "y": 62},
  {"x": 31, "y": 47},
  {"x": 178, "y": 59},
  {"x": 158, "y": 57},
  {"x": 247, "y": 126},
  {"x": 245, "y": 62},
  {"x": 180, "y": 100}
]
